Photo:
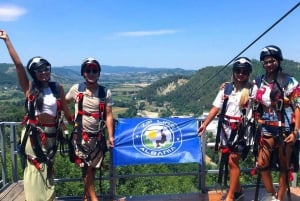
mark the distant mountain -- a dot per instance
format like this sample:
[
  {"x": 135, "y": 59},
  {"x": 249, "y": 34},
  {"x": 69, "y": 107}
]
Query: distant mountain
[
  {"x": 183, "y": 91},
  {"x": 71, "y": 74},
  {"x": 195, "y": 94},
  {"x": 112, "y": 75},
  {"x": 106, "y": 69},
  {"x": 7, "y": 74}
]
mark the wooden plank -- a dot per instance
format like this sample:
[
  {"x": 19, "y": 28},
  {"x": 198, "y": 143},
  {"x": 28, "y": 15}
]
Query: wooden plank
[
  {"x": 7, "y": 190},
  {"x": 15, "y": 192}
]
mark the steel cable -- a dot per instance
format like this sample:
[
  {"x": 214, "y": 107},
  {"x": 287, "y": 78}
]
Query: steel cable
[{"x": 259, "y": 37}]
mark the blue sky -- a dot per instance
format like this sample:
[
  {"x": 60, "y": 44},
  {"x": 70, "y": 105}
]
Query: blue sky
[{"x": 188, "y": 34}]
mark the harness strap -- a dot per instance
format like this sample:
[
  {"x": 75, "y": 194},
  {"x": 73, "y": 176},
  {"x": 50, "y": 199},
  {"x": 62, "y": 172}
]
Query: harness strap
[
  {"x": 79, "y": 133},
  {"x": 92, "y": 114},
  {"x": 31, "y": 111},
  {"x": 59, "y": 105},
  {"x": 238, "y": 119},
  {"x": 271, "y": 123},
  {"x": 36, "y": 146},
  {"x": 47, "y": 124},
  {"x": 102, "y": 109},
  {"x": 35, "y": 162},
  {"x": 223, "y": 168},
  {"x": 232, "y": 125},
  {"x": 31, "y": 126},
  {"x": 220, "y": 124},
  {"x": 32, "y": 121},
  {"x": 25, "y": 138}
]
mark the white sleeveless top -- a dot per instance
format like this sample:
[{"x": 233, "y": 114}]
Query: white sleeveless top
[{"x": 50, "y": 104}]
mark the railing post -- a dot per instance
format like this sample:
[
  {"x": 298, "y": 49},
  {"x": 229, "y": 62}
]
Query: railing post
[
  {"x": 203, "y": 166},
  {"x": 13, "y": 151},
  {"x": 112, "y": 173},
  {"x": 3, "y": 153}
]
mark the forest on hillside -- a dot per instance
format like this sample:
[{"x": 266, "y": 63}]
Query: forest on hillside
[
  {"x": 197, "y": 94},
  {"x": 192, "y": 97}
]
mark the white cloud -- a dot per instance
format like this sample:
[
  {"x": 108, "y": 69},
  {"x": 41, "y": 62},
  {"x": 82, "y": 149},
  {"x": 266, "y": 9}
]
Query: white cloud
[
  {"x": 147, "y": 33},
  {"x": 11, "y": 12}
]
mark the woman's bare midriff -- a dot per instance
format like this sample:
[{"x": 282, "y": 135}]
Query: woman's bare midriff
[{"x": 46, "y": 119}]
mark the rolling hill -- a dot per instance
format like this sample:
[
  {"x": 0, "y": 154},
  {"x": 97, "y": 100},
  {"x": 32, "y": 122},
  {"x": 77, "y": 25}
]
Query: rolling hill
[
  {"x": 198, "y": 91},
  {"x": 181, "y": 92}
]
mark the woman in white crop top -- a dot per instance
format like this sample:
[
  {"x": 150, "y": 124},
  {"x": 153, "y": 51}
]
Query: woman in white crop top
[{"x": 38, "y": 185}]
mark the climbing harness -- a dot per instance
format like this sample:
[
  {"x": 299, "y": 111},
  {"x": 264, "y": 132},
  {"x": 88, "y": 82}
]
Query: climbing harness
[
  {"x": 86, "y": 147},
  {"x": 235, "y": 140},
  {"x": 281, "y": 129},
  {"x": 34, "y": 131}
]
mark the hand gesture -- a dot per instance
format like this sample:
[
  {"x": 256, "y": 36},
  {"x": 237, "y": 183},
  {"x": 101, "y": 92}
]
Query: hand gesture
[
  {"x": 201, "y": 130},
  {"x": 291, "y": 138},
  {"x": 111, "y": 141},
  {"x": 3, "y": 35}
]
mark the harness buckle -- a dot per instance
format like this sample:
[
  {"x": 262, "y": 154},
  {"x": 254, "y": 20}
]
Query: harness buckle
[
  {"x": 34, "y": 162},
  {"x": 279, "y": 105},
  {"x": 101, "y": 125}
]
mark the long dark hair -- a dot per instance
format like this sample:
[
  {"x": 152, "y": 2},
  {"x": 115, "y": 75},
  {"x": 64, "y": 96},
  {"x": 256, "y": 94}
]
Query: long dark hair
[{"x": 36, "y": 90}]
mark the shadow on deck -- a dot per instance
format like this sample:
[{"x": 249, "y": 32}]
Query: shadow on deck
[{"x": 15, "y": 192}]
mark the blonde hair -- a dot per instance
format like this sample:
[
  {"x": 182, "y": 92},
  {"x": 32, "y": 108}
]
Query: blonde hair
[{"x": 244, "y": 97}]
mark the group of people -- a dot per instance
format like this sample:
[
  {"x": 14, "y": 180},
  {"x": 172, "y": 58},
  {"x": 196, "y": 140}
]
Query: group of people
[
  {"x": 264, "y": 101},
  {"x": 46, "y": 102},
  {"x": 258, "y": 110}
]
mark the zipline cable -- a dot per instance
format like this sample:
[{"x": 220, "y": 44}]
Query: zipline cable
[{"x": 271, "y": 27}]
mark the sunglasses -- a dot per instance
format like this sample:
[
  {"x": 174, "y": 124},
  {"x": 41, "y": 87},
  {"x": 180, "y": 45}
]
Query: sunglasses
[
  {"x": 268, "y": 62},
  {"x": 94, "y": 71},
  {"x": 243, "y": 72},
  {"x": 43, "y": 69}
]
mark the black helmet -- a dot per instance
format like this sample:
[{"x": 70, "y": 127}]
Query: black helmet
[
  {"x": 242, "y": 62},
  {"x": 35, "y": 63},
  {"x": 272, "y": 51},
  {"x": 88, "y": 61}
]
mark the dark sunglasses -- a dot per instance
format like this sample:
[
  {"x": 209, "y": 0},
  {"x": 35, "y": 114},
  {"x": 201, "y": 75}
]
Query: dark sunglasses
[
  {"x": 268, "y": 62},
  {"x": 94, "y": 71},
  {"x": 240, "y": 71},
  {"x": 42, "y": 69}
]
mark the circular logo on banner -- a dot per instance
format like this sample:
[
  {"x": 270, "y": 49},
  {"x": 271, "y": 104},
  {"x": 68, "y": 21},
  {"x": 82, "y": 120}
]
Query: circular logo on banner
[{"x": 157, "y": 137}]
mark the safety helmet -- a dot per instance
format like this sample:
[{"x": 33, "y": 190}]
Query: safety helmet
[
  {"x": 272, "y": 51},
  {"x": 90, "y": 61},
  {"x": 242, "y": 63},
  {"x": 35, "y": 63}
]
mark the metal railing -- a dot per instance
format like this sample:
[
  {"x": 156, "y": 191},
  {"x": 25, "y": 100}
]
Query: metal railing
[
  {"x": 9, "y": 151},
  {"x": 9, "y": 142},
  {"x": 13, "y": 152}
]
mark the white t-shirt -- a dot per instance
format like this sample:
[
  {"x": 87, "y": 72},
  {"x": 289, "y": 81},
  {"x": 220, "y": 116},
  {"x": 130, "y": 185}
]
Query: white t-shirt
[{"x": 232, "y": 108}]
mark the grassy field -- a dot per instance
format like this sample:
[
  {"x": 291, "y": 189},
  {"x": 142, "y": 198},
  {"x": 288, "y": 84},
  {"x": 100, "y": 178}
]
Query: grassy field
[{"x": 118, "y": 110}]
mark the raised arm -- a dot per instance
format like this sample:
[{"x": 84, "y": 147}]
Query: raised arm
[{"x": 21, "y": 73}]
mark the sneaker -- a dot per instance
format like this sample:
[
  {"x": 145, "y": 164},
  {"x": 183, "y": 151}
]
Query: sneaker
[
  {"x": 274, "y": 198},
  {"x": 238, "y": 195},
  {"x": 269, "y": 197}
]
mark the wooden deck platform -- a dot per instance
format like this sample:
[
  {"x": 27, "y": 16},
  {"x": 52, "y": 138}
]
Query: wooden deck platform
[{"x": 15, "y": 192}]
